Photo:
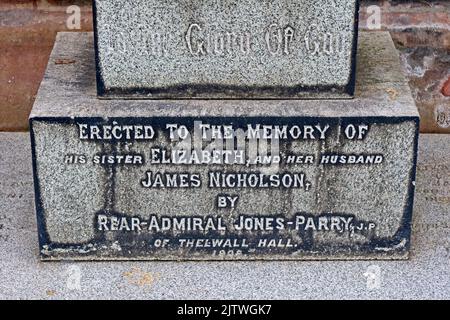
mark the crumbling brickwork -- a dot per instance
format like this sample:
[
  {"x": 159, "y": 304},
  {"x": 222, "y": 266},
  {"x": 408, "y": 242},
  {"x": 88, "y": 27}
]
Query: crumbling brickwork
[
  {"x": 421, "y": 31},
  {"x": 420, "y": 28}
]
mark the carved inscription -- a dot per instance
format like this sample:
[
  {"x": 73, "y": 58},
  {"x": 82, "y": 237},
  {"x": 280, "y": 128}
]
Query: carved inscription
[
  {"x": 228, "y": 162},
  {"x": 200, "y": 44},
  {"x": 226, "y": 49},
  {"x": 200, "y": 40},
  {"x": 278, "y": 40}
]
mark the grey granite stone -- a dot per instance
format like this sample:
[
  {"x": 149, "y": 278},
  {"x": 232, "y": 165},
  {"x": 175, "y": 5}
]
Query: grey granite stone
[
  {"x": 424, "y": 276},
  {"x": 381, "y": 89},
  {"x": 338, "y": 211},
  {"x": 232, "y": 49}
]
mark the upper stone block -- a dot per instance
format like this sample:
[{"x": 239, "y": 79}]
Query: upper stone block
[{"x": 226, "y": 49}]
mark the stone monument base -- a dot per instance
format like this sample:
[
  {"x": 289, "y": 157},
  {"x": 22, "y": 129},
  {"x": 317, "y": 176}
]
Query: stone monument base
[{"x": 222, "y": 179}]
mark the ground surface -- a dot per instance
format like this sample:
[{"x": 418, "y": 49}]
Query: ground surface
[{"x": 425, "y": 275}]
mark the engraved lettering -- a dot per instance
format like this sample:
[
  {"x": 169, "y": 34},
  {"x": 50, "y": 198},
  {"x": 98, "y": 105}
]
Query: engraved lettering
[{"x": 196, "y": 48}]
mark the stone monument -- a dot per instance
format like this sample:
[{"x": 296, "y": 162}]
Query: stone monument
[
  {"x": 255, "y": 173},
  {"x": 155, "y": 49}
]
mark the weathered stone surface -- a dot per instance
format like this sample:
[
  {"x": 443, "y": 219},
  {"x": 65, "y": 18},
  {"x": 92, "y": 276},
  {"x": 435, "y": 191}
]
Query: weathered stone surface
[
  {"x": 428, "y": 71},
  {"x": 226, "y": 49},
  {"x": 78, "y": 200},
  {"x": 425, "y": 275}
]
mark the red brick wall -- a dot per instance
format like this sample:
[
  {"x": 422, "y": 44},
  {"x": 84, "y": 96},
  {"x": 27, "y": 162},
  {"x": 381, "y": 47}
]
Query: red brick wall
[
  {"x": 27, "y": 32},
  {"x": 421, "y": 30}
]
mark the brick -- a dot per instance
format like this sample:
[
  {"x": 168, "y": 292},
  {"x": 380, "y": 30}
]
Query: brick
[
  {"x": 27, "y": 34},
  {"x": 428, "y": 71},
  {"x": 446, "y": 88},
  {"x": 421, "y": 31},
  {"x": 401, "y": 15},
  {"x": 28, "y": 27}
]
